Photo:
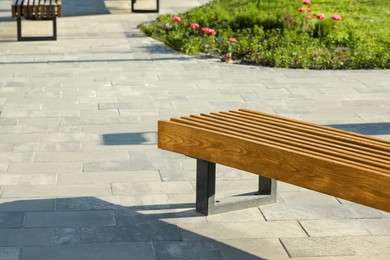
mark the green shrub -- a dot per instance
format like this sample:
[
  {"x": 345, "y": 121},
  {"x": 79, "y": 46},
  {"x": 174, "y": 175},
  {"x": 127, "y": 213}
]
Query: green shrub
[{"x": 274, "y": 33}]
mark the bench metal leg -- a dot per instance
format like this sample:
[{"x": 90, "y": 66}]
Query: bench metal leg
[
  {"x": 37, "y": 38},
  {"x": 205, "y": 192},
  {"x": 157, "y": 10}
]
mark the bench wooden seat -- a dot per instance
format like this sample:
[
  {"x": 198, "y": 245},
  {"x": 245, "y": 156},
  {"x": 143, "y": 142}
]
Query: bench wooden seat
[
  {"x": 36, "y": 10},
  {"x": 335, "y": 162}
]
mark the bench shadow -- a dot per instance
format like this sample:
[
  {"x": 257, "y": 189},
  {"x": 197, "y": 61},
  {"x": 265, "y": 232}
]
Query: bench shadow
[
  {"x": 365, "y": 128},
  {"x": 140, "y": 138},
  {"x": 92, "y": 228}
]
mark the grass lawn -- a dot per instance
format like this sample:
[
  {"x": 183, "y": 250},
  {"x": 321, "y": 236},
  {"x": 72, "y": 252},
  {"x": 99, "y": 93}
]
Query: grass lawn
[{"x": 316, "y": 34}]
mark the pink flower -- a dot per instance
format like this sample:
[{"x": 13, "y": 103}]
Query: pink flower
[
  {"x": 334, "y": 27},
  {"x": 194, "y": 26},
  {"x": 212, "y": 32},
  {"x": 176, "y": 19},
  {"x": 301, "y": 9},
  {"x": 321, "y": 16},
  {"x": 232, "y": 40},
  {"x": 205, "y": 30},
  {"x": 309, "y": 10},
  {"x": 306, "y": 2},
  {"x": 308, "y": 17},
  {"x": 336, "y": 17}
]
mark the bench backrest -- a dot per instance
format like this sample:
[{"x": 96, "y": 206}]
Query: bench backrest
[
  {"x": 339, "y": 163},
  {"x": 36, "y": 9}
]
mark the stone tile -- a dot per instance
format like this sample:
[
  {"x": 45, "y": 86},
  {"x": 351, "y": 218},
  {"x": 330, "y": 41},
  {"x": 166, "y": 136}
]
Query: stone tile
[
  {"x": 108, "y": 177},
  {"x": 9, "y": 253},
  {"x": 252, "y": 249},
  {"x": 28, "y": 179},
  {"x": 11, "y": 219},
  {"x": 30, "y": 191},
  {"x": 80, "y": 156},
  {"x": 118, "y": 251},
  {"x": 242, "y": 230},
  {"x": 113, "y": 202},
  {"x": 136, "y": 232},
  {"x": 5, "y": 148},
  {"x": 307, "y": 198},
  {"x": 317, "y": 246},
  {"x": 49, "y": 167},
  {"x": 376, "y": 226},
  {"x": 131, "y": 165},
  {"x": 333, "y": 227},
  {"x": 3, "y": 167},
  {"x": 320, "y": 211},
  {"x": 26, "y": 204},
  {"x": 167, "y": 250},
  {"x": 246, "y": 215},
  {"x": 151, "y": 188},
  {"x": 26, "y": 237},
  {"x": 70, "y": 218},
  {"x": 17, "y": 138},
  {"x": 50, "y": 121},
  {"x": 370, "y": 245},
  {"x": 46, "y": 147},
  {"x": 16, "y": 157}
]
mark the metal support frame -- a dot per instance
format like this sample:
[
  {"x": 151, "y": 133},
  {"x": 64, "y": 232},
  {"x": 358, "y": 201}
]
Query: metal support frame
[
  {"x": 157, "y": 10},
  {"x": 37, "y": 38},
  {"x": 205, "y": 192}
]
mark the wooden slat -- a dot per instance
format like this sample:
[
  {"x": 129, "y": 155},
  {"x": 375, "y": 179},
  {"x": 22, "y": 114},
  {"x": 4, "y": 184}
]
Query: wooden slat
[
  {"x": 304, "y": 148},
  {"x": 354, "y": 137},
  {"x": 59, "y": 8},
  {"x": 362, "y": 185},
  {"x": 297, "y": 134}
]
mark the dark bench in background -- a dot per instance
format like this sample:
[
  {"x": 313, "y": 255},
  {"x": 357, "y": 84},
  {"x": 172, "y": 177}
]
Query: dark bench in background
[
  {"x": 335, "y": 162},
  {"x": 36, "y": 10}
]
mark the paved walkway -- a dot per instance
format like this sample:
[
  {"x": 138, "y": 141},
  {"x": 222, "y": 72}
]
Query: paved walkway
[{"x": 80, "y": 174}]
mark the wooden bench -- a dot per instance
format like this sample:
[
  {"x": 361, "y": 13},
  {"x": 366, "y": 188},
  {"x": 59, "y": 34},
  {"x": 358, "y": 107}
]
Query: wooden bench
[
  {"x": 134, "y": 10},
  {"x": 335, "y": 162},
  {"x": 36, "y": 10}
]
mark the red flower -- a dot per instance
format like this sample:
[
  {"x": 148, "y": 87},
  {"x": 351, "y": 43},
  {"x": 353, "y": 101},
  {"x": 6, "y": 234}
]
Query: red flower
[
  {"x": 321, "y": 16},
  {"x": 334, "y": 27},
  {"x": 205, "y": 30},
  {"x": 309, "y": 10},
  {"x": 308, "y": 17},
  {"x": 301, "y": 9},
  {"x": 194, "y": 26},
  {"x": 212, "y": 32},
  {"x": 336, "y": 17},
  {"x": 176, "y": 19},
  {"x": 306, "y": 2},
  {"x": 232, "y": 40}
]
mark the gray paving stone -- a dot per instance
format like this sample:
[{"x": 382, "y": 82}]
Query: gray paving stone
[
  {"x": 131, "y": 165},
  {"x": 5, "y": 148},
  {"x": 317, "y": 246},
  {"x": 328, "y": 211},
  {"x": 74, "y": 190},
  {"x": 333, "y": 227},
  {"x": 119, "y": 251},
  {"x": 17, "y": 138},
  {"x": 49, "y": 167},
  {"x": 9, "y": 253},
  {"x": 80, "y": 156},
  {"x": 28, "y": 179},
  {"x": 136, "y": 232},
  {"x": 307, "y": 198},
  {"x": 166, "y": 250},
  {"x": 11, "y": 219},
  {"x": 70, "y": 218},
  {"x": 370, "y": 245},
  {"x": 250, "y": 229},
  {"x": 3, "y": 167},
  {"x": 26, "y": 237},
  {"x": 251, "y": 214},
  {"x": 108, "y": 177},
  {"x": 376, "y": 226},
  {"x": 26, "y": 204},
  {"x": 46, "y": 147},
  {"x": 151, "y": 188},
  {"x": 252, "y": 249}
]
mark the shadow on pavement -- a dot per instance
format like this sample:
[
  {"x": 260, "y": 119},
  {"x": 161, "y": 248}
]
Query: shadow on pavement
[
  {"x": 366, "y": 128},
  {"x": 91, "y": 228}
]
